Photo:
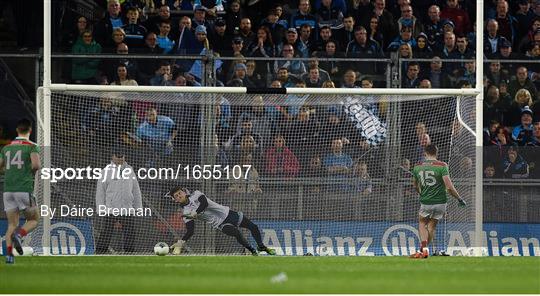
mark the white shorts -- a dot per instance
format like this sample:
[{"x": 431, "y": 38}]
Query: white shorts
[
  {"x": 432, "y": 211},
  {"x": 18, "y": 200}
]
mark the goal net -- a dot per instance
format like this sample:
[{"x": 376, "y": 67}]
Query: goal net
[{"x": 319, "y": 174}]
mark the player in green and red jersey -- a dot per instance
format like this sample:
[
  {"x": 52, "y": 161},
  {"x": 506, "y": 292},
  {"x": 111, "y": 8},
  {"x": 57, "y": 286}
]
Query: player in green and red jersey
[
  {"x": 20, "y": 160},
  {"x": 432, "y": 181}
]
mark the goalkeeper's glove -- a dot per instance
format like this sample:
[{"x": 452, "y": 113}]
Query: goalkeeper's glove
[
  {"x": 177, "y": 247},
  {"x": 462, "y": 202}
]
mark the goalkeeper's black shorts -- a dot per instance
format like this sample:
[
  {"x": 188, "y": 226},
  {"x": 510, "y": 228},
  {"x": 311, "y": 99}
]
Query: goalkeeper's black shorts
[{"x": 234, "y": 218}]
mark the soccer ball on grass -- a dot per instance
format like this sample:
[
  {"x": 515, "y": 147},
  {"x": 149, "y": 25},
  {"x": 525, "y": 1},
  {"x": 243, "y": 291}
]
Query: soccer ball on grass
[
  {"x": 471, "y": 252},
  {"x": 161, "y": 249}
]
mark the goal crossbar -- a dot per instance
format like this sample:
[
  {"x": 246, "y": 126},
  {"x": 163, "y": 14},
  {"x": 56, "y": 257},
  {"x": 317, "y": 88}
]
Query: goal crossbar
[{"x": 244, "y": 90}]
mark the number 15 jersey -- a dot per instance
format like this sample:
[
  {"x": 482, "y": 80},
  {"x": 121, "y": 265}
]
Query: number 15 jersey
[{"x": 429, "y": 177}]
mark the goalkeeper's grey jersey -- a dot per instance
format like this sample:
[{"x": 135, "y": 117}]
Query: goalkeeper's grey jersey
[{"x": 214, "y": 214}]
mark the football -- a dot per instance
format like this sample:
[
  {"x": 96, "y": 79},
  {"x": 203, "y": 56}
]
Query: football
[
  {"x": 471, "y": 252},
  {"x": 161, "y": 249}
]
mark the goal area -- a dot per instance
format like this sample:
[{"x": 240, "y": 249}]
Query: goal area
[{"x": 320, "y": 171}]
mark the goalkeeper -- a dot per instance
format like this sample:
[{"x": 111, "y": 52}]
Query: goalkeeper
[
  {"x": 432, "y": 180},
  {"x": 195, "y": 205}
]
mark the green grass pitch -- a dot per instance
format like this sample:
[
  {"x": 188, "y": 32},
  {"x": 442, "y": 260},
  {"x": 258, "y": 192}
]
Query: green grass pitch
[{"x": 187, "y": 274}]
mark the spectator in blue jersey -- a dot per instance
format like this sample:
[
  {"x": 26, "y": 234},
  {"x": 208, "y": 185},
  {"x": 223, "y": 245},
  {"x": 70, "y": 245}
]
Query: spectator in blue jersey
[
  {"x": 212, "y": 6},
  {"x": 313, "y": 79},
  {"x": 469, "y": 73},
  {"x": 434, "y": 26},
  {"x": 276, "y": 28},
  {"x": 405, "y": 36},
  {"x": 240, "y": 73},
  {"x": 495, "y": 75},
  {"x": 535, "y": 139},
  {"x": 299, "y": 47},
  {"x": 437, "y": 77},
  {"x": 294, "y": 68},
  {"x": 163, "y": 76},
  {"x": 283, "y": 19},
  {"x": 199, "y": 16},
  {"x": 306, "y": 36},
  {"x": 448, "y": 47},
  {"x": 338, "y": 164},
  {"x": 492, "y": 38},
  {"x": 112, "y": 20},
  {"x": 463, "y": 51},
  {"x": 158, "y": 132},
  {"x": 332, "y": 67},
  {"x": 303, "y": 16},
  {"x": 163, "y": 39},
  {"x": 361, "y": 180},
  {"x": 135, "y": 32},
  {"x": 176, "y": 4},
  {"x": 314, "y": 63},
  {"x": 411, "y": 78},
  {"x": 349, "y": 79},
  {"x": 362, "y": 47},
  {"x": 285, "y": 79},
  {"x": 261, "y": 120},
  {"x": 330, "y": 14},
  {"x": 522, "y": 133},
  {"x": 408, "y": 19},
  {"x": 514, "y": 166}
]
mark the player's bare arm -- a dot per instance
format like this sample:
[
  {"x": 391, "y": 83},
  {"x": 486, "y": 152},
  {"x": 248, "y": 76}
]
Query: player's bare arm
[
  {"x": 36, "y": 163},
  {"x": 452, "y": 190},
  {"x": 416, "y": 186}
]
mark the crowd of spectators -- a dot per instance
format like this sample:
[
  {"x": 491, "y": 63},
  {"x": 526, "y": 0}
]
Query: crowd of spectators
[{"x": 238, "y": 30}]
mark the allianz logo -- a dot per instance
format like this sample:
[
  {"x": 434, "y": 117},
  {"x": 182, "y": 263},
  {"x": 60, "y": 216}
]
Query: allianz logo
[
  {"x": 66, "y": 239},
  {"x": 397, "y": 240}
]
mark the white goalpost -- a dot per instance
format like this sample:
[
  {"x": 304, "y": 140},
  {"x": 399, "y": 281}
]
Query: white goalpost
[{"x": 315, "y": 209}]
